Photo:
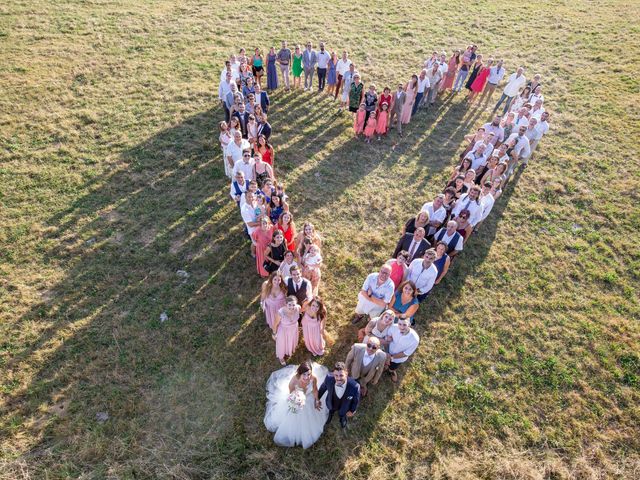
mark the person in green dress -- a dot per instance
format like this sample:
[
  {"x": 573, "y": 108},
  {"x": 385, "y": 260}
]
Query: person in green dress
[
  {"x": 297, "y": 67},
  {"x": 355, "y": 93}
]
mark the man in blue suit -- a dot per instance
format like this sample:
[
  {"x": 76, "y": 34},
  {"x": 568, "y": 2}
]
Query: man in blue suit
[{"x": 343, "y": 394}]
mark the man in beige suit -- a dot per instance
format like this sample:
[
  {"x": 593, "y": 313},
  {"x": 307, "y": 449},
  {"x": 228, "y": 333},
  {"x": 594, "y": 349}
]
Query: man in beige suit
[
  {"x": 365, "y": 363},
  {"x": 397, "y": 102}
]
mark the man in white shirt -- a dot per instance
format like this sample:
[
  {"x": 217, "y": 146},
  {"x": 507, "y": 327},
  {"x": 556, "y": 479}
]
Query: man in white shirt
[
  {"x": 434, "y": 77},
  {"x": 521, "y": 149},
  {"x": 431, "y": 61},
  {"x": 478, "y": 155},
  {"x": 543, "y": 128},
  {"x": 470, "y": 201},
  {"x": 342, "y": 67},
  {"x": 323, "y": 62},
  {"x": 534, "y": 135},
  {"x": 486, "y": 202},
  {"x": 365, "y": 362},
  {"x": 495, "y": 128},
  {"x": 234, "y": 150},
  {"x": 536, "y": 95},
  {"x": 521, "y": 119},
  {"x": 496, "y": 74},
  {"x": 375, "y": 295},
  {"x": 512, "y": 88},
  {"x": 423, "y": 87},
  {"x": 223, "y": 90},
  {"x": 403, "y": 341},
  {"x": 442, "y": 64},
  {"x": 423, "y": 273},
  {"x": 437, "y": 214},
  {"x": 537, "y": 110},
  {"x": 245, "y": 165},
  {"x": 451, "y": 237}
]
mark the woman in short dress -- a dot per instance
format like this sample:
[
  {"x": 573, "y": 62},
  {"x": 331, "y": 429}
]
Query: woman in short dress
[
  {"x": 474, "y": 71},
  {"x": 398, "y": 267},
  {"x": 442, "y": 261},
  {"x": 377, "y": 327},
  {"x": 405, "y": 301},
  {"x": 480, "y": 81},
  {"x": 296, "y": 67},
  {"x": 274, "y": 253},
  {"x": 419, "y": 221},
  {"x": 257, "y": 65},
  {"x": 261, "y": 170},
  {"x": 272, "y": 72},
  {"x": 332, "y": 76},
  {"x": 288, "y": 229},
  {"x": 262, "y": 237}
]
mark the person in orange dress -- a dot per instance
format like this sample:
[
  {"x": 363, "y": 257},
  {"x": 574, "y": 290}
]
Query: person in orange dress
[
  {"x": 382, "y": 124},
  {"x": 370, "y": 129},
  {"x": 262, "y": 236},
  {"x": 358, "y": 122}
]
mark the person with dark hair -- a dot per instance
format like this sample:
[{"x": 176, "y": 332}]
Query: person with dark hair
[
  {"x": 403, "y": 341},
  {"x": 299, "y": 287},
  {"x": 294, "y": 411},
  {"x": 285, "y": 329},
  {"x": 343, "y": 394},
  {"x": 313, "y": 324}
]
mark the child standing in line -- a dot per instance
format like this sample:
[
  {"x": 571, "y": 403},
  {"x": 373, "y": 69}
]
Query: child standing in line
[
  {"x": 383, "y": 121},
  {"x": 370, "y": 129},
  {"x": 311, "y": 266},
  {"x": 358, "y": 123}
]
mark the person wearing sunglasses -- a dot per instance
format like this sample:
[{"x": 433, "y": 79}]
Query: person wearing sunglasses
[{"x": 366, "y": 362}]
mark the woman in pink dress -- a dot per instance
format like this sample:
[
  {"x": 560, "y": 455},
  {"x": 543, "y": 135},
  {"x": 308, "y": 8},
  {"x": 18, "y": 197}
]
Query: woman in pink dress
[
  {"x": 313, "y": 323},
  {"x": 262, "y": 239},
  {"x": 452, "y": 69},
  {"x": 411, "y": 90},
  {"x": 285, "y": 329},
  {"x": 481, "y": 80},
  {"x": 358, "y": 120},
  {"x": 273, "y": 297},
  {"x": 370, "y": 129},
  {"x": 383, "y": 120}
]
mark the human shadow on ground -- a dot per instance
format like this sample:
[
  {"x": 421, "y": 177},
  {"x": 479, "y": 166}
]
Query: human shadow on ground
[{"x": 126, "y": 332}]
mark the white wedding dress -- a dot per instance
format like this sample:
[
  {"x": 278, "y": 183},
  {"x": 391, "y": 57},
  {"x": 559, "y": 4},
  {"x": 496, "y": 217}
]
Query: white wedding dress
[{"x": 291, "y": 429}]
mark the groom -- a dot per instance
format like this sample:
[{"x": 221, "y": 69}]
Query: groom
[{"x": 343, "y": 394}]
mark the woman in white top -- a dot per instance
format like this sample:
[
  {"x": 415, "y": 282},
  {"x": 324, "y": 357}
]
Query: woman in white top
[
  {"x": 225, "y": 138},
  {"x": 377, "y": 327}
]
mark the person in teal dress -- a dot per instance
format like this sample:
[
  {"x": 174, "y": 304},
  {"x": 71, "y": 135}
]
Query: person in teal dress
[{"x": 405, "y": 301}]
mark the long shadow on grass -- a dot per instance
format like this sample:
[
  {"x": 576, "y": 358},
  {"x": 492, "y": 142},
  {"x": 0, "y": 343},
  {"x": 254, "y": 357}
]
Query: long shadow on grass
[{"x": 105, "y": 342}]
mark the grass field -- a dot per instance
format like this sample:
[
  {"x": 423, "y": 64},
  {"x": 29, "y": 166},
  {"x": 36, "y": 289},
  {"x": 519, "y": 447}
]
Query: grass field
[{"x": 111, "y": 180}]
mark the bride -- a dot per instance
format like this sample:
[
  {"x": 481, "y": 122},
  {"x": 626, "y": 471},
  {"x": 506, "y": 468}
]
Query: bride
[{"x": 294, "y": 411}]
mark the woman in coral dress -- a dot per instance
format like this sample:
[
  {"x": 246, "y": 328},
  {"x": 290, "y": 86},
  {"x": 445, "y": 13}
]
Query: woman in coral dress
[
  {"x": 481, "y": 80},
  {"x": 285, "y": 329},
  {"x": 452, "y": 69},
  {"x": 262, "y": 238},
  {"x": 313, "y": 323},
  {"x": 273, "y": 297},
  {"x": 411, "y": 90}
]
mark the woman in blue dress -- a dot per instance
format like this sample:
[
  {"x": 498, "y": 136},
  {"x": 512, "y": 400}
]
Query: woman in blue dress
[
  {"x": 332, "y": 77},
  {"x": 272, "y": 74},
  {"x": 442, "y": 260},
  {"x": 405, "y": 303}
]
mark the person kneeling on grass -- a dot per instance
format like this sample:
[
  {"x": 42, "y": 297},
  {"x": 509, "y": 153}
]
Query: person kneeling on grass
[
  {"x": 403, "y": 341},
  {"x": 375, "y": 295}
]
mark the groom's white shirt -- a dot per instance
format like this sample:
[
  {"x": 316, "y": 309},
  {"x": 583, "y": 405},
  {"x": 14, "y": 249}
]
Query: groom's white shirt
[{"x": 340, "y": 389}]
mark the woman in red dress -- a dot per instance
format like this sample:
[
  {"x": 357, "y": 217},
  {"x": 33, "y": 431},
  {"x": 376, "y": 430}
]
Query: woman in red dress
[
  {"x": 384, "y": 98},
  {"x": 265, "y": 149},
  {"x": 481, "y": 80},
  {"x": 288, "y": 229}
]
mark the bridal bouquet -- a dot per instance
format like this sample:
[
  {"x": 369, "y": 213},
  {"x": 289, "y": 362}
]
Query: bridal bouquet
[{"x": 296, "y": 401}]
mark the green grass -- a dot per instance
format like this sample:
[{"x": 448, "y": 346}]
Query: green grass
[{"x": 112, "y": 180}]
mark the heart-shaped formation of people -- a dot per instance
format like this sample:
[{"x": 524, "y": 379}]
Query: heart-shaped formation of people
[{"x": 292, "y": 261}]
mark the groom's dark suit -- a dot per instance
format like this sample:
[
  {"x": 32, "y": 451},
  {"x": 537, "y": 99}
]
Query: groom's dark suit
[{"x": 348, "y": 402}]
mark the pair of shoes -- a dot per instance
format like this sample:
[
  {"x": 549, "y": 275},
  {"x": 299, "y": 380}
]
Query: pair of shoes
[
  {"x": 283, "y": 363},
  {"x": 394, "y": 376},
  {"x": 356, "y": 318}
]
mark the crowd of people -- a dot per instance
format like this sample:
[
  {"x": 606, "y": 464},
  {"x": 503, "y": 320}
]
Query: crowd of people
[{"x": 430, "y": 242}]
